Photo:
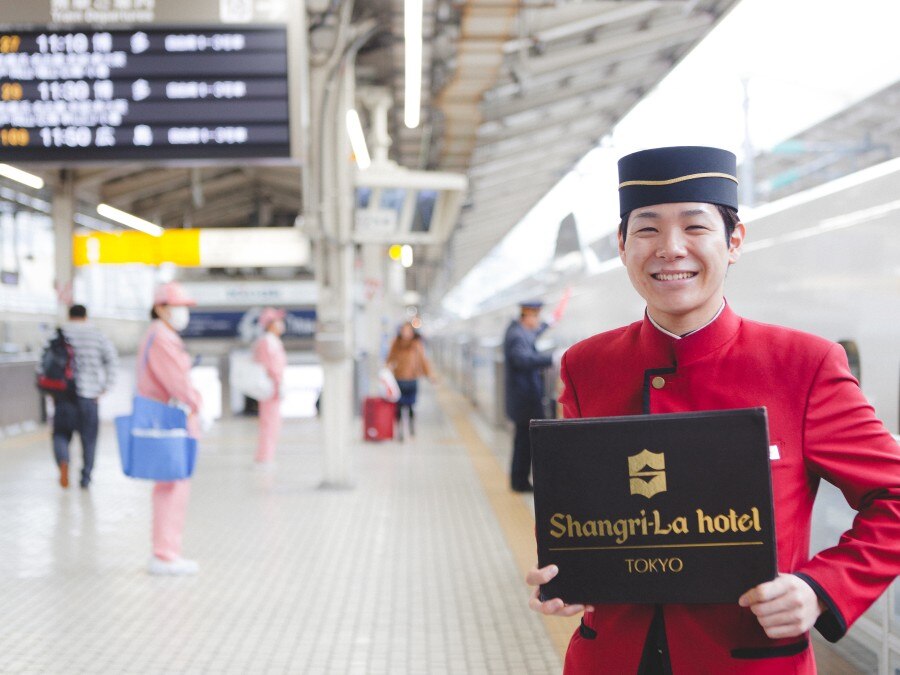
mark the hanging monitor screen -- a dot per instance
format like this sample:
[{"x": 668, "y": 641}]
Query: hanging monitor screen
[{"x": 178, "y": 93}]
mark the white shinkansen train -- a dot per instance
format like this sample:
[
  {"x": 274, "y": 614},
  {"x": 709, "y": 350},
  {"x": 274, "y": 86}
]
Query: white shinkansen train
[{"x": 826, "y": 261}]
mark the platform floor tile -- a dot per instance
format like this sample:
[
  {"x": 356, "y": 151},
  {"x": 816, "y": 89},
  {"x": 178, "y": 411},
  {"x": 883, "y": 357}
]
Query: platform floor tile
[{"x": 406, "y": 572}]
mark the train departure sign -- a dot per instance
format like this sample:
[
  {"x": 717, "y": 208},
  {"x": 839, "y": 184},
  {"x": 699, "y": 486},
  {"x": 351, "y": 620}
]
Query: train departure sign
[{"x": 181, "y": 93}]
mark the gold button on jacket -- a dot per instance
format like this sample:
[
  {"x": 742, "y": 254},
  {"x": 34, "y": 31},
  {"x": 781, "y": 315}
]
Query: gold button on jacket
[{"x": 658, "y": 382}]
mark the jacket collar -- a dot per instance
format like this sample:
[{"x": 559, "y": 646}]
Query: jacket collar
[{"x": 660, "y": 349}]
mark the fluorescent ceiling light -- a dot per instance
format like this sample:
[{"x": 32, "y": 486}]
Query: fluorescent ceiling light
[
  {"x": 146, "y": 226},
  {"x": 358, "y": 140},
  {"x": 20, "y": 176},
  {"x": 412, "y": 37}
]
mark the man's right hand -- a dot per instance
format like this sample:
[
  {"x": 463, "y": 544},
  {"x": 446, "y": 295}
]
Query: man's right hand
[{"x": 554, "y": 607}]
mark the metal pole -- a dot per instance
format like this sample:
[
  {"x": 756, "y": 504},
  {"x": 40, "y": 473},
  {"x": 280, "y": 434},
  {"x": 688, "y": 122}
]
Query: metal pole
[{"x": 748, "y": 178}]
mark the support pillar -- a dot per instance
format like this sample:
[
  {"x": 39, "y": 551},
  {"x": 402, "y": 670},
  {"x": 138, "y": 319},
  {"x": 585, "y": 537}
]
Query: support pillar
[
  {"x": 328, "y": 213},
  {"x": 63, "y": 215}
]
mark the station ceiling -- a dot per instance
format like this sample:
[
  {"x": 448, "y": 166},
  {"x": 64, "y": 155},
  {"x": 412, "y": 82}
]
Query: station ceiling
[{"x": 515, "y": 92}]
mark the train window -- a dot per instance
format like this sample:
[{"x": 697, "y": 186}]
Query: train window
[{"x": 852, "y": 357}]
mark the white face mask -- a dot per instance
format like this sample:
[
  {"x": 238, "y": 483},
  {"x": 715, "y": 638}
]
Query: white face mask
[{"x": 179, "y": 317}]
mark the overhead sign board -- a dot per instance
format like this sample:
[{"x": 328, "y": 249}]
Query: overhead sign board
[
  {"x": 299, "y": 323},
  {"x": 185, "y": 93},
  {"x": 201, "y": 247},
  {"x": 376, "y": 221},
  {"x": 221, "y": 292},
  {"x": 132, "y": 12}
]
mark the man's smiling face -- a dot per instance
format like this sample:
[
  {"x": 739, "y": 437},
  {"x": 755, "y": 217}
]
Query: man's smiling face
[{"x": 677, "y": 256}]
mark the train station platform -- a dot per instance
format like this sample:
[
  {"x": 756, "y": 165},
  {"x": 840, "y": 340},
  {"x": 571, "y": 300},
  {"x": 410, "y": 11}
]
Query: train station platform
[
  {"x": 416, "y": 569},
  {"x": 411, "y": 571}
]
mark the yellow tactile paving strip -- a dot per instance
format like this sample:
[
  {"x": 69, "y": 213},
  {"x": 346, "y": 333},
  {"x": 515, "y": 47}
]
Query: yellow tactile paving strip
[{"x": 513, "y": 514}]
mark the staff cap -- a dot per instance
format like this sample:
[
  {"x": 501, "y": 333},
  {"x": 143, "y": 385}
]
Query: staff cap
[{"x": 687, "y": 173}]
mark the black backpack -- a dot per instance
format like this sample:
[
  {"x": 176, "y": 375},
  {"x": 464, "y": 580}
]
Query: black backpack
[{"x": 56, "y": 375}]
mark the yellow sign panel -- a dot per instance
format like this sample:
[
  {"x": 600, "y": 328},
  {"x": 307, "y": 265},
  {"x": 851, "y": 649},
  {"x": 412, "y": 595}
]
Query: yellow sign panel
[{"x": 181, "y": 247}]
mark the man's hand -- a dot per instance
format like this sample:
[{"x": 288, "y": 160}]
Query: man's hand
[
  {"x": 554, "y": 607},
  {"x": 785, "y": 607}
]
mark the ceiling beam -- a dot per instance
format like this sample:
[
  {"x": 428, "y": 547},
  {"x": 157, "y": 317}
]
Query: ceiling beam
[
  {"x": 212, "y": 187},
  {"x": 513, "y": 180},
  {"x": 236, "y": 210},
  {"x": 534, "y": 156},
  {"x": 540, "y": 72},
  {"x": 126, "y": 191},
  {"x": 288, "y": 180},
  {"x": 587, "y": 24},
  {"x": 585, "y": 122},
  {"x": 510, "y": 189},
  {"x": 89, "y": 179},
  {"x": 659, "y": 37},
  {"x": 590, "y": 81},
  {"x": 524, "y": 177},
  {"x": 175, "y": 211}
]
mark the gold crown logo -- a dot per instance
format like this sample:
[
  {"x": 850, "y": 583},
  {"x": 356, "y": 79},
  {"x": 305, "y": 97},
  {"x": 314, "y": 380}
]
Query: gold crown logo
[{"x": 647, "y": 473}]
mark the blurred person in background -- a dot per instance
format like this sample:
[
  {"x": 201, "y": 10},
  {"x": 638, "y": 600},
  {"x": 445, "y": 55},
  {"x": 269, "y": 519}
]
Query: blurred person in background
[
  {"x": 163, "y": 374},
  {"x": 268, "y": 350},
  {"x": 96, "y": 361},
  {"x": 524, "y": 383},
  {"x": 407, "y": 361}
]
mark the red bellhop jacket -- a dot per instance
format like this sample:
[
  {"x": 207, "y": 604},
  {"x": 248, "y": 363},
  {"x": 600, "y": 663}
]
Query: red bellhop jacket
[{"x": 823, "y": 427}]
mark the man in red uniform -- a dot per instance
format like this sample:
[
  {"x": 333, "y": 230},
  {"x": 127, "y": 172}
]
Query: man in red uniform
[{"x": 679, "y": 234}]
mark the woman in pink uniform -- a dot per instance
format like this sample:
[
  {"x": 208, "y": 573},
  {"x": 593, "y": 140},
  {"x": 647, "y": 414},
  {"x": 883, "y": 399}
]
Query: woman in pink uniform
[
  {"x": 163, "y": 374},
  {"x": 269, "y": 351}
]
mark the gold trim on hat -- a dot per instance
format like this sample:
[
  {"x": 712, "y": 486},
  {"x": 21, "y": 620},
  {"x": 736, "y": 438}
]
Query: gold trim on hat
[{"x": 680, "y": 179}]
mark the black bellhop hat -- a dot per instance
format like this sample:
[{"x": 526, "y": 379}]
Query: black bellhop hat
[{"x": 688, "y": 173}]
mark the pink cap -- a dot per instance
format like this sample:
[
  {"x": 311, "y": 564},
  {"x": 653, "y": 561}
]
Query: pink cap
[
  {"x": 172, "y": 293},
  {"x": 270, "y": 314}
]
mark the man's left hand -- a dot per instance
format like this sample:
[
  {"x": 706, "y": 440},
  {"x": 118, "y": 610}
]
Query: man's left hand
[{"x": 785, "y": 607}]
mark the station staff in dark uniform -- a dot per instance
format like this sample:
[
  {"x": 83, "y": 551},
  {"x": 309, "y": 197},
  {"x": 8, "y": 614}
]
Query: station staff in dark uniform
[
  {"x": 678, "y": 235},
  {"x": 524, "y": 383}
]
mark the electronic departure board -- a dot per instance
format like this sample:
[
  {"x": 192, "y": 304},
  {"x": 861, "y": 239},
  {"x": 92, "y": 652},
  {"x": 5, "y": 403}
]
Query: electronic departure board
[{"x": 146, "y": 94}]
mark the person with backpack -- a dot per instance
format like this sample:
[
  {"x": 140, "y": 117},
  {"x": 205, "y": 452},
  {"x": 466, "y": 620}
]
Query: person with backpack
[{"x": 78, "y": 366}]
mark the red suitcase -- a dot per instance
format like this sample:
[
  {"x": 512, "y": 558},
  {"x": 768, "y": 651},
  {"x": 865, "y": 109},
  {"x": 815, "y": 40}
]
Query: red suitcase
[{"x": 378, "y": 419}]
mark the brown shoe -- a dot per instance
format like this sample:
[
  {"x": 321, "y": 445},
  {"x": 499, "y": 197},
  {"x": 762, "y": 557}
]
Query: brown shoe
[{"x": 64, "y": 474}]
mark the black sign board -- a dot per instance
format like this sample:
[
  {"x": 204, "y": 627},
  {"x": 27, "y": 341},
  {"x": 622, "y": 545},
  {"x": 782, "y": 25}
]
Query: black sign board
[
  {"x": 673, "y": 508},
  {"x": 185, "y": 93}
]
